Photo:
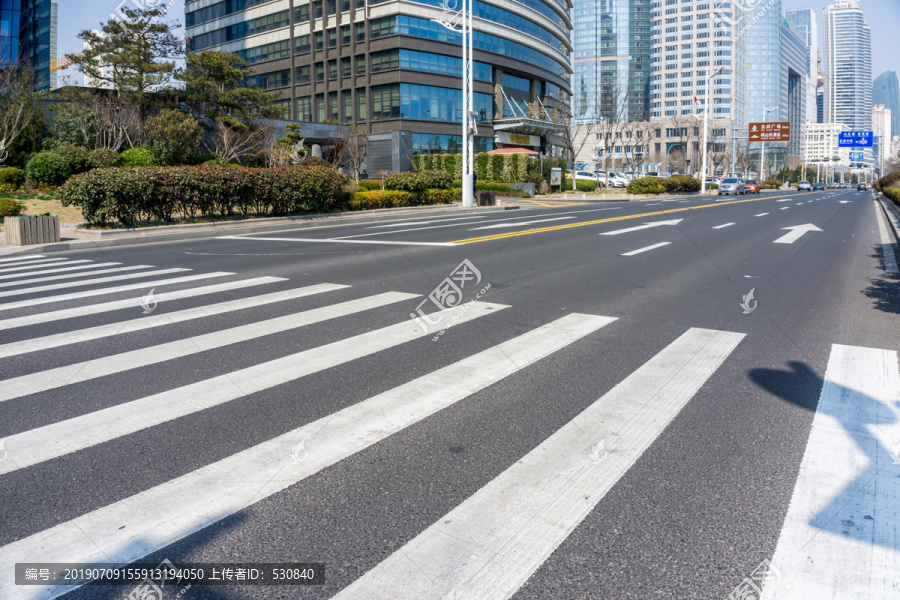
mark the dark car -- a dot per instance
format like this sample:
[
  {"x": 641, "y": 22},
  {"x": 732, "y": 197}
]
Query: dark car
[
  {"x": 818, "y": 186},
  {"x": 862, "y": 187}
]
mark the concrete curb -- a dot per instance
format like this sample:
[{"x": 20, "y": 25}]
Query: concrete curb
[
  {"x": 190, "y": 232},
  {"x": 892, "y": 212}
]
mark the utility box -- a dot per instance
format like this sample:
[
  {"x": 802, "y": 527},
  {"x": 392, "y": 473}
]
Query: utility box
[
  {"x": 487, "y": 199},
  {"x": 556, "y": 176},
  {"x": 25, "y": 231}
]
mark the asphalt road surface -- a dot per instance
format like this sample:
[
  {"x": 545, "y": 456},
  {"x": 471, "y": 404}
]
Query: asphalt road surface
[{"x": 689, "y": 398}]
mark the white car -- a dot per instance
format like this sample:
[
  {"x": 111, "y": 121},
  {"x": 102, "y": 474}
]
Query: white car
[
  {"x": 585, "y": 175},
  {"x": 616, "y": 180},
  {"x": 804, "y": 186}
]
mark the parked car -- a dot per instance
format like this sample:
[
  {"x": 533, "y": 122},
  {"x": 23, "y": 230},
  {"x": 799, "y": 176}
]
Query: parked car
[
  {"x": 616, "y": 180},
  {"x": 818, "y": 186},
  {"x": 752, "y": 186},
  {"x": 585, "y": 175},
  {"x": 732, "y": 185},
  {"x": 804, "y": 186}
]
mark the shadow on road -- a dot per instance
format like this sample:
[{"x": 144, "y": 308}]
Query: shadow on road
[{"x": 884, "y": 290}]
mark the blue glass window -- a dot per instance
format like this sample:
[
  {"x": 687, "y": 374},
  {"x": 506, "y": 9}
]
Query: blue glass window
[
  {"x": 516, "y": 83},
  {"x": 411, "y": 101},
  {"x": 414, "y": 60}
]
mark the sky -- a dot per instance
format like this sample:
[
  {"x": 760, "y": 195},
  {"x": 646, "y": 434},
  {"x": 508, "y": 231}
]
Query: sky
[{"x": 883, "y": 17}]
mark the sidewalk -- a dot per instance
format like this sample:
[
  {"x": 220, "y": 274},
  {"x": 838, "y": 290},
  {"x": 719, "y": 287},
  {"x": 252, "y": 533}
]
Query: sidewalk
[{"x": 73, "y": 238}]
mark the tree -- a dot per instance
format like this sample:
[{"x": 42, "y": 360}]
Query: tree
[
  {"x": 356, "y": 149},
  {"x": 18, "y": 105},
  {"x": 173, "y": 136},
  {"x": 139, "y": 52}
]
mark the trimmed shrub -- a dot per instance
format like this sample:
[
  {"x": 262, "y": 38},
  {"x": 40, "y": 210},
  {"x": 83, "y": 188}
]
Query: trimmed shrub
[
  {"x": 681, "y": 183},
  {"x": 586, "y": 185},
  {"x": 315, "y": 161},
  {"x": 368, "y": 185},
  {"x": 78, "y": 157},
  {"x": 141, "y": 194},
  {"x": 712, "y": 186},
  {"x": 887, "y": 181},
  {"x": 173, "y": 136},
  {"x": 379, "y": 199},
  {"x": 9, "y": 207},
  {"x": 137, "y": 157},
  {"x": 646, "y": 185},
  {"x": 48, "y": 168},
  {"x": 892, "y": 194},
  {"x": 771, "y": 184},
  {"x": 443, "y": 196},
  {"x": 11, "y": 178},
  {"x": 481, "y": 165},
  {"x": 103, "y": 159},
  {"x": 418, "y": 182},
  {"x": 496, "y": 166}
]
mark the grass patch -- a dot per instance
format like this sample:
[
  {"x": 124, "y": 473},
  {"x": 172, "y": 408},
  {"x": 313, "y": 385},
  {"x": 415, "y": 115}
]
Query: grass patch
[{"x": 39, "y": 203}]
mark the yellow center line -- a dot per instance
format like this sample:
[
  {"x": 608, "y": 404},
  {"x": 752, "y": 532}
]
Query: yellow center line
[{"x": 501, "y": 236}]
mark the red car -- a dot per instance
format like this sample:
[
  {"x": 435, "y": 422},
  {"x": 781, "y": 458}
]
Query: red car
[{"x": 751, "y": 186}]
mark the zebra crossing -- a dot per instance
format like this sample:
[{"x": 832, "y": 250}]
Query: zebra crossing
[{"x": 485, "y": 547}]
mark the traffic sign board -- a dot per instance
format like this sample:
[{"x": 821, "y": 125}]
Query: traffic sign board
[
  {"x": 779, "y": 131},
  {"x": 856, "y": 139},
  {"x": 857, "y": 156}
]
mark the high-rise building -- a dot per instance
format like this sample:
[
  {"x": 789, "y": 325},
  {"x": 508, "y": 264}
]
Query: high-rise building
[
  {"x": 391, "y": 68},
  {"x": 37, "y": 38},
  {"x": 612, "y": 59},
  {"x": 690, "y": 42},
  {"x": 882, "y": 132},
  {"x": 795, "y": 82},
  {"x": 803, "y": 21},
  {"x": 9, "y": 32},
  {"x": 885, "y": 91},
  {"x": 847, "y": 66}
]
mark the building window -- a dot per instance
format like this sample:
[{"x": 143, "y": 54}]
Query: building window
[
  {"x": 285, "y": 107},
  {"x": 516, "y": 83},
  {"x": 345, "y": 35},
  {"x": 411, "y": 101},
  {"x": 362, "y": 111},
  {"x": 317, "y": 9},
  {"x": 332, "y": 7},
  {"x": 269, "y": 81},
  {"x": 332, "y": 70},
  {"x": 414, "y": 60},
  {"x": 348, "y": 105},
  {"x": 320, "y": 72},
  {"x": 319, "y": 39},
  {"x": 333, "y": 107},
  {"x": 360, "y": 32},
  {"x": 345, "y": 5},
  {"x": 303, "y": 75},
  {"x": 303, "y": 44},
  {"x": 267, "y": 52},
  {"x": 332, "y": 37},
  {"x": 320, "y": 107},
  {"x": 346, "y": 68},
  {"x": 304, "y": 109},
  {"x": 301, "y": 14},
  {"x": 361, "y": 64}
]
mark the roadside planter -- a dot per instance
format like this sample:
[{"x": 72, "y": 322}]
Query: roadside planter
[{"x": 24, "y": 231}]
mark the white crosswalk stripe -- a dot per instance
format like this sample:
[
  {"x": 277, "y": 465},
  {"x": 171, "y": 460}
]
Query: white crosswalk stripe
[
  {"x": 58, "y": 286},
  {"x": 51, "y": 441},
  {"x": 18, "y": 258},
  {"x": 840, "y": 536},
  {"x": 108, "y": 365},
  {"x": 490, "y": 544},
  {"x": 111, "y": 290},
  {"x": 140, "y": 524},
  {"x": 93, "y": 309},
  {"x": 41, "y": 264},
  {"x": 62, "y": 269},
  {"x": 57, "y": 277},
  {"x": 158, "y": 320}
]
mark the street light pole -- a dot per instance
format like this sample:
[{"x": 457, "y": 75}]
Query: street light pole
[
  {"x": 762, "y": 153},
  {"x": 706, "y": 130}
]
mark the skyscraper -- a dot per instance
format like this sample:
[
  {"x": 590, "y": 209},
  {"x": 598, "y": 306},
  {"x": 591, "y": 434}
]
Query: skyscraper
[
  {"x": 847, "y": 66},
  {"x": 803, "y": 21},
  {"x": 37, "y": 38},
  {"x": 795, "y": 82},
  {"x": 391, "y": 68},
  {"x": 885, "y": 91},
  {"x": 612, "y": 57},
  {"x": 9, "y": 32}
]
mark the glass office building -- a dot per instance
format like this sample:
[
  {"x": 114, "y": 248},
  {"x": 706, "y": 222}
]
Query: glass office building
[
  {"x": 795, "y": 82},
  {"x": 612, "y": 59},
  {"x": 10, "y": 15},
  {"x": 885, "y": 91},
  {"x": 390, "y": 68},
  {"x": 847, "y": 66},
  {"x": 803, "y": 22},
  {"x": 37, "y": 38}
]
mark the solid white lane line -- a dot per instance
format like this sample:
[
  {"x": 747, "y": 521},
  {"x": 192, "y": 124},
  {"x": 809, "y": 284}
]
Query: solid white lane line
[
  {"x": 18, "y": 258},
  {"x": 644, "y": 226},
  {"x": 646, "y": 248},
  {"x": 762, "y": 214},
  {"x": 103, "y": 291},
  {"x": 785, "y": 200},
  {"x": 333, "y": 241},
  {"x": 57, "y": 277},
  {"x": 62, "y": 269},
  {"x": 65, "y": 338},
  {"x": 130, "y": 529},
  {"x": 840, "y": 535},
  {"x": 45, "y": 443},
  {"x": 68, "y": 284},
  {"x": 723, "y": 226},
  {"x": 489, "y": 545},
  {"x": 93, "y": 309},
  {"x": 414, "y": 223},
  {"x": 44, "y": 264},
  {"x": 887, "y": 244},
  {"x": 117, "y": 363},
  {"x": 785, "y": 207},
  {"x": 520, "y": 223}
]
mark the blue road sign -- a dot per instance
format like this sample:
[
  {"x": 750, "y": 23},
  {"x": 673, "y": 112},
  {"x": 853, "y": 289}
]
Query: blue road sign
[
  {"x": 856, "y": 139},
  {"x": 857, "y": 156}
]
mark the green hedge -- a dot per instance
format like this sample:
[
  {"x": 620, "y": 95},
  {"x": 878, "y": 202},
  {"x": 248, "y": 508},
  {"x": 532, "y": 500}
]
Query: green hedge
[
  {"x": 137, "y": 157},
  {"x": 664, "y": 185},
  {"x": 9, "y": 207},
  {"x": 505, "y": 167},
  {"x": 133, "y": 195},
  {"x": 103, "y": 159},
  {"x": 369, "y": 184},
  {"x": 78, "y": 157},
  {"x": 586, "y": 185},
  {"x": 771, "y": 184},
  {"x": 892, "y": 193},
  {"x": 418, "y": 182},
  {"x": 394, "y": 198},
  {"x": 888, "y": 180}
]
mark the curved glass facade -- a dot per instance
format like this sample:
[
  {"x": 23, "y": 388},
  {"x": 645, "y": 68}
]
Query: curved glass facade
[
  {"x": 425, "y": 102},
  {"x": 9, "y": 32},
  {"x": 413, "y": 60}
]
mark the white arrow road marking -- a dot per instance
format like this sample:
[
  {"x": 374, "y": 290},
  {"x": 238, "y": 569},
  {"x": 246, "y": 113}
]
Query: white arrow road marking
[
  {"x": 653, "y": 247},
  {"x": 644, "y": 226},
  {"x": 796, "y": 232},
  {"x": 518, "y": 223},
  {"x": 723, "y": 225}
]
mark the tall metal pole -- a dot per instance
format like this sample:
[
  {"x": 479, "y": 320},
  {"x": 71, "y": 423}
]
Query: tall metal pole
[
  {"x": 468, "y": 196},
  {"x": 706, "y": 130}
]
